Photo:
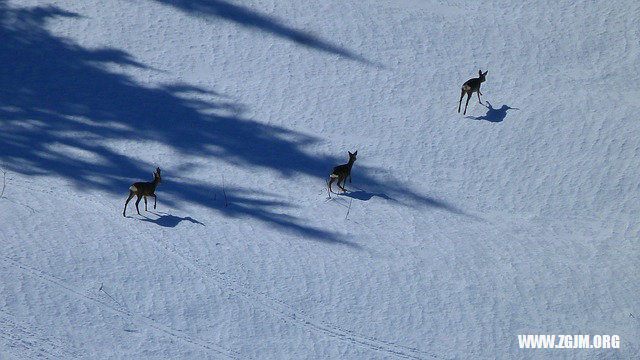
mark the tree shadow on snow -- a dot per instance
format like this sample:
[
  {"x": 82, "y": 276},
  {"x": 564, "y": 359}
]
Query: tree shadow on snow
[
  {"x": 393, "y": 190},
  {"x": 249, "y": 18},
  {"x": 64, "y": 114},
  {"x": 494, "y": 115}
]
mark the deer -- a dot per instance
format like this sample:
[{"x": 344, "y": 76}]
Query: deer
[
  {"x": 469, "y": 87},
  {"x": 144, "y": 189},
  {"x": 342, "y": 172}
]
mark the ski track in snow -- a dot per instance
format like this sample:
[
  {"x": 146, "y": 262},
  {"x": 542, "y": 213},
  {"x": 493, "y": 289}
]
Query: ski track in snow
[
  {"x": 136, "y": 318},
  {"x": 25, "y": 341},
  {"x": 280, "y": 309}
]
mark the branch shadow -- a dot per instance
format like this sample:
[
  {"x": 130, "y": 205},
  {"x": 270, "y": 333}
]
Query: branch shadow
[
  {"x": 493, "y": 115},
  {"x": 393, "y": 190},
  {"x": 252, "y": 19}
]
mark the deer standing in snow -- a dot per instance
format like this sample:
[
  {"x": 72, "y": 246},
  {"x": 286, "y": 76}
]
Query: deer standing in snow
[
  {"x": 144, "y": 189},
  {"x": 471, "y": 86},
  {"x": 342, "y": 172}
]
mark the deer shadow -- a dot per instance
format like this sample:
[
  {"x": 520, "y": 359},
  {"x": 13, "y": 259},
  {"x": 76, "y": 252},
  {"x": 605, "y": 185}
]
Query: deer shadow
[
  {"x": 168, "y": 220},
  {"x": 493, "y": 115},
  {"x": 364, "y": 195}
]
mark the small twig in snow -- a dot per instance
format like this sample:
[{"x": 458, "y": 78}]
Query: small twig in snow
[
  {"x": 349, "y": 209},
  {"x": 4, "y": 181},
  {"x": 106, "y": 293},
  {"x": 328, "y": 192},
  {"x": 226, "y": 203}
]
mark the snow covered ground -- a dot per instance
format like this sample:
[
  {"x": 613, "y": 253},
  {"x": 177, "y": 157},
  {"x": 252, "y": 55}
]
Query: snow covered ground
[{"x": 458, "y": 234}]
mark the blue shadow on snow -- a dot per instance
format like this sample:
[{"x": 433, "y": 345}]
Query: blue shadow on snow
[
  {"x": 244, "y": 16},
  {"x": 168, "y": 220},
  {"x": 493, "y": 115},
  {"x": 61, "y": 111}
]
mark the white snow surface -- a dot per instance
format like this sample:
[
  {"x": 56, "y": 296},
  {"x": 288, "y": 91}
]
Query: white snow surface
[{"x": 458, "y": 232}]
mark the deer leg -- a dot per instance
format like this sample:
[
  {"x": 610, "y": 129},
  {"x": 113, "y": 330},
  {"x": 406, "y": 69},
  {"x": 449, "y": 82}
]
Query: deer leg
[
  {"x": 479, "y": 98},
  {"x": 350, "y": 179},
  {"x": 155, "y": 200},
  {"x": 465, "y": 105},
  {"x": 344, "y": 182},
  {"x": 145, "y": 203},
  {"x": 331, "y": 180},
  {"x": 460, "y": 102},
  {"x": 127, "y": 202},
  {"x": 138, "y": 202}
]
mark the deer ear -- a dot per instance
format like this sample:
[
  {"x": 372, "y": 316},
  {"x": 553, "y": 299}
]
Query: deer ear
[
  {"x": 485, "y": 73},
  {"x": 480, "y": 72},
  {"x": 355, "y": 153}
]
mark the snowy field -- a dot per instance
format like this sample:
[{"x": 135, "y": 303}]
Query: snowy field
[{"x": 458, "y": 233}]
